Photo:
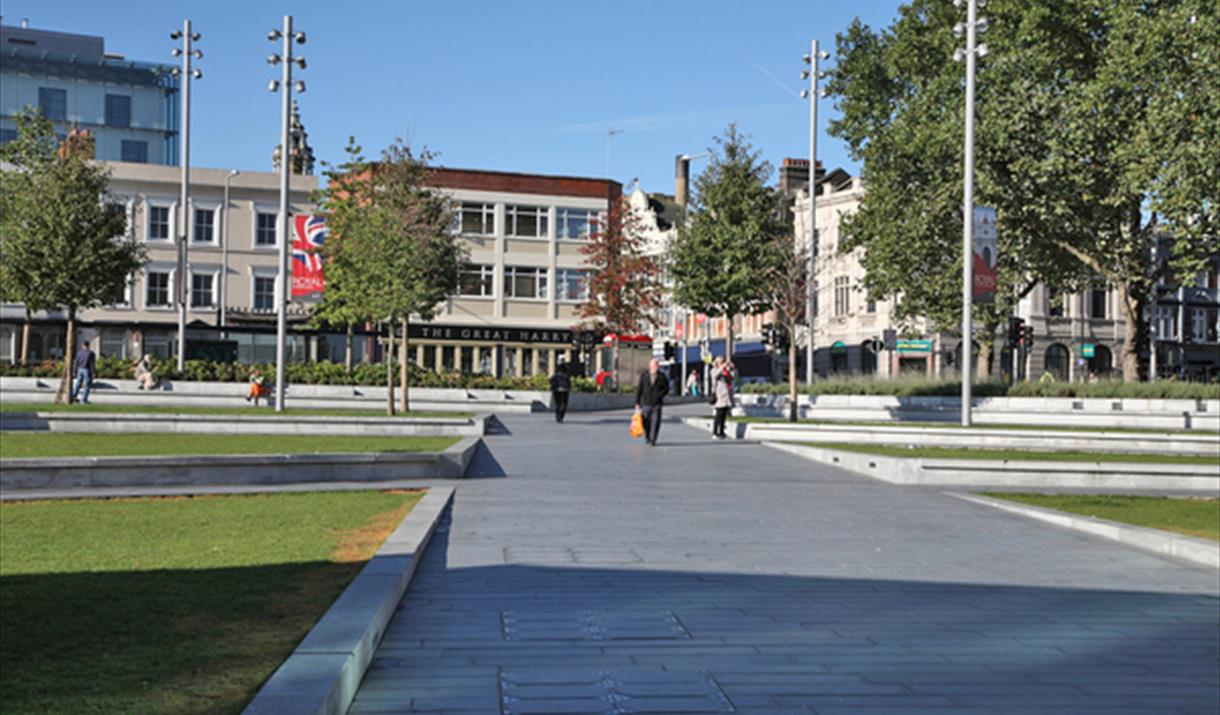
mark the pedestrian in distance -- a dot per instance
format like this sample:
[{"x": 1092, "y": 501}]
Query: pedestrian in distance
[
  {"x": 722, "y": 395},
  {"x": 144, "y": 374},
  {"x": 649, "y": 396},
  {"x": 85, "y": 365},
  {"x": 561, "y": 386},
  {"x": 692, "y": 383}
]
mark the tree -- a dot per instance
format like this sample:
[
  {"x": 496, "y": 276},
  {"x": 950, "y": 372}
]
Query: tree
[
  {"x": 718, "y": 261},
  {"x": 389, "y": 245},
  {"x": 64, "y": 241},
  {"x": 787, "y": 280},
  {"x": 624, "y": 293},
  {"x": 1096, "y": 130}
]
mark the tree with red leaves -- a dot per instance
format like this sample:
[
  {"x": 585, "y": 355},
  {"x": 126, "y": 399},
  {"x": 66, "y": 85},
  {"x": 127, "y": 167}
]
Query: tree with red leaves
[{"x": 624, "y": 291}]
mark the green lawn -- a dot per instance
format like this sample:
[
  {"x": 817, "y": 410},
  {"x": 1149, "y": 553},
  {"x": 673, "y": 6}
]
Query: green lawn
[
  {"x": 182, "y": 605},
  {"x": 188, "y": 410},
  {"x": 957, "y": 425},
  {"x": 93, "y": 444},
  {"x": 1194, "y": 517},
  {"x": 1015, "y": 454}
]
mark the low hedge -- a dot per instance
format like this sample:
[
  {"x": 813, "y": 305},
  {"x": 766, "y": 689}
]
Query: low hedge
[{"x": 925, "y": 387}]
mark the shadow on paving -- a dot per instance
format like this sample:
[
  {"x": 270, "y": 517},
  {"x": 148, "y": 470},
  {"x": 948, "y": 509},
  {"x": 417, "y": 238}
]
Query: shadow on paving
[
  {"x": 168, "y": 641},
  {"x": 483, "y": 464},
  {"x": 543, "y": 637}
]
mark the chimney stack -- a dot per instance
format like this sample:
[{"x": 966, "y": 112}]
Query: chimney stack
[{"x": 681, "y": 180}]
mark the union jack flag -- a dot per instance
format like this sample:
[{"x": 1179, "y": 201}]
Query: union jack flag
[{"x": 309, "y": 233}]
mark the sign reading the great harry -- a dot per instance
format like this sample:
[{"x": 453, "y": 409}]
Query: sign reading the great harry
[
  {"x": 984, "y": 255},
  {"x": 489, "y": 335}
]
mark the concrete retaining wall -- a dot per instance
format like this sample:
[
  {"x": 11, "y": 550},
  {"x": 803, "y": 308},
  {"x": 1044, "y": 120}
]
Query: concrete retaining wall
[
  {"x": 85, "y": 472},
  {"x": 1058, "y": 411},
  {"x": 322, "y": 675},
  {"x": 271, "y": 424},
  {"x": 897, "y": 435},
  {"x": 1102, "y": 476}
]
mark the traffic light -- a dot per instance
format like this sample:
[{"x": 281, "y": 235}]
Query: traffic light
[
  {"x": 780, "y": 335},
  {"x": 1027, "y": 337},
  {"x": 1015, "y": 330},
  {"x": 889, "y": 339},
  {"x": 768, "y": 334}
]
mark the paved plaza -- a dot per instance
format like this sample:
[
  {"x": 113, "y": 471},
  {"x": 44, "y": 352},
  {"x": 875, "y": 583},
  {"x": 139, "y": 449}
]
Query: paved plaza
[{"x": 582, "y": 571}]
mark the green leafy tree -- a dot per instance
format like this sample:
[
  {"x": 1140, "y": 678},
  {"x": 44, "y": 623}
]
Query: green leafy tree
[
  {"x": 1096, "y": 131},
  {"x": 63, "y": 240},
  {"x": 624, "y": 293},
  {"x": 720, "y": 257},
  {"x": 389, "y": 246}
]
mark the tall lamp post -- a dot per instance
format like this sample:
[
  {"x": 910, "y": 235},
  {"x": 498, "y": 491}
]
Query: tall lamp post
[
  {"x": 813, "y": 75},
  {"x": 973, "y": 51},
  {"x": 183, "y": 227},
  {"x": 224, "y": 251},
  {"x": 284, "y": 85},
  {"x": 681, "y": 197}
]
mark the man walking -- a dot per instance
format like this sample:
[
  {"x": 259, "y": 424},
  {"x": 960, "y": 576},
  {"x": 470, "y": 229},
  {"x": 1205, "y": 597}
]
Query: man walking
[
  {"x": 561, "y": 385},
  {"x": 85, "y": 365},
  {"x": 649, "y": 395}
]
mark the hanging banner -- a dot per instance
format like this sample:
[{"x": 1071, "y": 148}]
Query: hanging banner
[
  {"x": 984, "y": 255},
  {"x": 308, "y": 235}
]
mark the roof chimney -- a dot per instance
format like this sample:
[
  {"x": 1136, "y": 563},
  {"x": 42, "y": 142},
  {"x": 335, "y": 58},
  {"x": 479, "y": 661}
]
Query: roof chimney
[{"x": 681, "y": 180}]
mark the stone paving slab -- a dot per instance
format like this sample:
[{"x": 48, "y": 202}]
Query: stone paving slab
[{"x": 645, "y": 576}]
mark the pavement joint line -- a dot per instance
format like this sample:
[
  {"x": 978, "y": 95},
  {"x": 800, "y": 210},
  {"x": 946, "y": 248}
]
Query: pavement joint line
[
  {"x": 1179, "y": 546},
  {"x": 324, "y": 672}
]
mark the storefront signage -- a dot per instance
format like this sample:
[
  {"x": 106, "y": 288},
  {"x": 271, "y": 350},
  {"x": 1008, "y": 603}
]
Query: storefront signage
[
  {"x": 1088, "y": 350},
  {"x": 488, "y": 335},
  {"x": 914, "y": 346}
]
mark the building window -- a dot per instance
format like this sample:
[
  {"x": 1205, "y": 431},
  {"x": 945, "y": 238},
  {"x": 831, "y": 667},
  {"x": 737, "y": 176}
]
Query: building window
[
  {"x": 264, "y": 293},
  {"x": 842, "y": 295},
  {"x": 871, "y": 306},
  {"x": 118, "y": 110},
  {"x": 477, "y": 280},
  {"x": 158, "y": 223},
  {"x": 134, "y": 152},
  {"x": 476, "y": 219},
  {"x": 53, "y": 103},
  {"x": 1198, "y": 325},
  {"x": 265, "y": 229},
  {"x": 1057, "y": 357},
  {"x": 202, "y": 295},
  {"x": 575, "y": 223},
  {"x": 122, "y": 295},
  {"x": 572, "y": 285},
  {"x": 526, "y": 221},
  {"x": 156, "y": 289},
  {"x": 8, "y": 135},
  {"x": 525, "y": 282},
  {"x": 205, "y": 226},
  {"x": 1166, "y": 325},
  {"x": 1097, "y": 303}
]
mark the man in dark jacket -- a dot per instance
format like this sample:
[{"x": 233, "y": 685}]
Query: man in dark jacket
[
  {"x": 649, "y": 396},
  {"x": 561, "y": 385},
  {"x": 85, "y": 365}
]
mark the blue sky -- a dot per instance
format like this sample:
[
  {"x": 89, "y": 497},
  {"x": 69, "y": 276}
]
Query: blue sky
[{"x": 514, "y": 86}]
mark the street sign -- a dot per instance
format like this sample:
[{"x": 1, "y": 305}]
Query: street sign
[{"x": 1088, "y": 350}]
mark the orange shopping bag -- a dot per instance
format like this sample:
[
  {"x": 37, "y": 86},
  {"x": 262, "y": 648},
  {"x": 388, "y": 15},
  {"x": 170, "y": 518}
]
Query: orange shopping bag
[{"x": 637, "y": 424}]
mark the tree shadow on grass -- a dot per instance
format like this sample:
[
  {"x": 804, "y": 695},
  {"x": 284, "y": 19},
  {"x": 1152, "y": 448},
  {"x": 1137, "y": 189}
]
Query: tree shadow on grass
[{"x": 176, "y": 641}]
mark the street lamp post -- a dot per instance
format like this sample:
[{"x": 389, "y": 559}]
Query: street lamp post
[
  {"x": 681, "y": 197},
  {"x": 973, "y": 51},
  {"x": 813, "y": 75},
  {"x": 183, "y": 226},
  {"x": 284, "y": 86},
  {"x": 224, "y": 251}
]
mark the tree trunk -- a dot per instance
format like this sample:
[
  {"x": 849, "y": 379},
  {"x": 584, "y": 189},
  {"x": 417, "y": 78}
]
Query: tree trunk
[
  {"x": 728, "y": 339},
  {"x": 982, "y": 371},
  {"x": 347, "y": 350},
  {"x": 403, "y": 372},
  {"x": 64, "y": 394},
  {"x": 1133, "y": 339},
  {"x": 792, "y": 408},
  {"x": 25, "y": 341},
  {"x": 388, "y": 356}
]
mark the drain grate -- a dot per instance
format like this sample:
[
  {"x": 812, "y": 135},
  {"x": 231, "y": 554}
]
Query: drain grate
[
  {"x": 592, "y": 626},
  {"x": 611, "y": 692}
]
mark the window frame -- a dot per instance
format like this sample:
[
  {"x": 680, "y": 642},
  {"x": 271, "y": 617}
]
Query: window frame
[
  {"x": 211, "y": 276},
  {"x": 542, "y": 214},
  {"x": 842, "y": 293},
  {"x": 107, "y": 110},
  {"x": 171, "y": 208},
  {"x": 169, "y": 288},
  {"x": 125, "y": 143},
  {"x": 486, "y": 277},
  {"x": 541, "y": 282},
  {"x": 486, "y": 212},
  {"x": 275, "y": 228},
  {"x": 264, "y": 274},
  {"x": 562, "y": 277},
  {"x": 42, "y": 105},
  {"x": 207, "y": 208},
  {"x": 562, "y": 216}
]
